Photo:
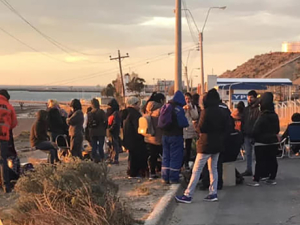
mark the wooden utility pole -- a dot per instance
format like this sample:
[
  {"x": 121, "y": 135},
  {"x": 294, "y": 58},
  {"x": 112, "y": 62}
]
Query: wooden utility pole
[
  {"x": 119, "y": 58},
  {"x": 178, "y": 48}
]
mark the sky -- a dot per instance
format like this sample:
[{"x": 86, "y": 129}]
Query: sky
[{"x": 91, "y": 31}]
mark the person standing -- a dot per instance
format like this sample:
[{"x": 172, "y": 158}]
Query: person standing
[
  {"x": 133, "y": 141},
  {"x": 97, "y": 124},
  {"x": 154, "y": 143},
  {"x": 212, "y": 128},
  {"x": 8, "y": 121},
  {"x": 265, "y": 134},
  {"x": 251, "y": 113},
  {"x": 172, "y": 121},
  {"x": 114, "y": 126},
  {"x": 75, "y": 122},
  {"x": 237, "y": 115},
  {"x": 191, "y": 114},
  {"x": 56, "y": 125}
]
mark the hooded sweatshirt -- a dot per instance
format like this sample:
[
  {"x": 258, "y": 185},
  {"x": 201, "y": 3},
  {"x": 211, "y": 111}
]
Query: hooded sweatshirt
[
  {"x": 153, "y": 109},
  {"x": 38, "y": 132},
  {"x": 114, "y": 124},
  {"x": 266, "y": 127},
  {"x": 213, "y": 125},
  {"x": 97, "y": 121},
  {"x": 178, "y": 116}
]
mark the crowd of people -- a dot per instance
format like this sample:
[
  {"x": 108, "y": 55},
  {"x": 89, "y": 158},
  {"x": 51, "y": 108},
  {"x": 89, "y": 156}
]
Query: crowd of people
[{"x": 159, "y": 137}]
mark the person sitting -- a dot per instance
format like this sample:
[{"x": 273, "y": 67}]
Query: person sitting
[
  {"x": 39, "y": 138},
  {"x": 295, "y": 123}
]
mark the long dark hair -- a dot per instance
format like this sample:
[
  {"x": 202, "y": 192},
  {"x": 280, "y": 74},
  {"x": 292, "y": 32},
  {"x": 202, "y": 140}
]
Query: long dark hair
[
  {"x": 241, "y": 106},
  {"x": 155, "y": 97}
]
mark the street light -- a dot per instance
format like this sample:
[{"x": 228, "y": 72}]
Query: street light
[
  {"x": 201, "y": 46},
  {"x": 191, "y": 78}
]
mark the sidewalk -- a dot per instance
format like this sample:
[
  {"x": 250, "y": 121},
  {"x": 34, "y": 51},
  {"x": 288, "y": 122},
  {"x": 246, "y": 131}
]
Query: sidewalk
[{"x": 244, "y": 205}]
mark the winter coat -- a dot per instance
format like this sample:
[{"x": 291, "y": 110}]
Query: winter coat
[
  {"x": 75, "y": 122},
  {"x": 8, "y": 118},
  {"x": 237, "y": 116},
  {"x": 97, "y": 123},
  {"x": 153, "y": 109},
  {"x": 213, "y": 125},
  {"x": 191, "y": 115},
  {"x": 266, "y": 128},
  {"x": 55, "y": 121},
  {"x": 131, "y": 138},
  {"x": 115, "y": 126},
  {"x": 286, "y": 132},
  {"x": 38, "y": 132},
  {"x": 178, "y": 102},
  {"x": 251, "y": 113}
]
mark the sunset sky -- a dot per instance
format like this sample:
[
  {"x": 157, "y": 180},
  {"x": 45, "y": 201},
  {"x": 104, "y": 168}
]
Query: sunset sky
[{"x": 143, "y": 28}]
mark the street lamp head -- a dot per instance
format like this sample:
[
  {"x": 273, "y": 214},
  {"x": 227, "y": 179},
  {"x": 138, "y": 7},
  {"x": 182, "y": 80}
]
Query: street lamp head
[{"x": 223, "y": 7}]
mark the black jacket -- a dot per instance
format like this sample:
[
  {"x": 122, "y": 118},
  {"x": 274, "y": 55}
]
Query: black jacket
[
  {"x": 115, "y": 127},
  {"x": 97, "y": 123},
  {"x": 132, "y": 139},
  {"x": 266, "y": 127},
  {"x": 212, "y": 126},
  {"x": 38, "y": 132},
  {"x": 250, "y": 115},
  {"x": 55, "y": 121}
]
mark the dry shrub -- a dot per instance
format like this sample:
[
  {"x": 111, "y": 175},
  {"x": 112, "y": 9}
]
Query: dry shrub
[{"x": 75, "y": 193}]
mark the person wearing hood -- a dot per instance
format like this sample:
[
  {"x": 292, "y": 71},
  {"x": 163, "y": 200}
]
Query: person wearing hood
[
  {"x": 191, "y": 114},
  {"x": 114, "y": 126},
  {"x": 75, "y": 122},
  {"x": 133, "y": 141},
  {"x": 250, "y": 115},
  {"x": 97, "y": 124},
  {"x": 154, "y": 143},
  {"x": 172, "y": 137},
  {"x": 212, "y": 127},
  {"x": 8, "y": 121},
  {"x": 40, "y": 139},
  {"x": 265, "y": 133}
]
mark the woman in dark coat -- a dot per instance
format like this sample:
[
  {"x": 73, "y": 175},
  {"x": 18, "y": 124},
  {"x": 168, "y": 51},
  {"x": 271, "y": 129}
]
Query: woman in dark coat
[
  {"x": 75, "y": 122},
  {"x": 56, "y": 124},
  {"x": 265, "y": 132},
  {"x": 133, "y": 141}
]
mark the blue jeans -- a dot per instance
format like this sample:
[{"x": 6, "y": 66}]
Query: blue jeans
[
  {"x": 97, "y": 147},
  {"x": 172, "y": 158},
  {"x": 116, "y": 147},
  {"x": 249, "y": 152},
  {"x": 212, "y": 162},
  {"x": 4, "y": 171},
  {"x": 47, "y": 147}
]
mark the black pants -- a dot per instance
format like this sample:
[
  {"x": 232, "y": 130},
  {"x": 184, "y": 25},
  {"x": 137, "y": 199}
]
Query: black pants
[
  {"x": 266, "y": 162},
  {"x": 137, "y": 161},
  {"x": 188, "y": 149},
  {"x": 4, "y": 169},
  {"x": 48, "y": 147},
  {"x": 76, "y": 146},
  {"x": 154, "y": 151}
]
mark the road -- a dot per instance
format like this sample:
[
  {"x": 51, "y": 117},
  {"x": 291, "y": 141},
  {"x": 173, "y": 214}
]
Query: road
[{"x": 244, "y": 205}]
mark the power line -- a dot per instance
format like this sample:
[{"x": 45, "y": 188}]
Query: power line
[
  {"x": 194, "y": 37},
  {"x": 59, "y": 45}
]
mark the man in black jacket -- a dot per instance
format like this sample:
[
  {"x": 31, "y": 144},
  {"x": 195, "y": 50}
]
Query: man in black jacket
[{"x": 251, "y": 113}]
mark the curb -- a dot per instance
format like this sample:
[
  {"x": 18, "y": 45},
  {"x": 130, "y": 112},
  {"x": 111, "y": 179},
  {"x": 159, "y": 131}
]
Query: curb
[{"x": 164, "y": 207}]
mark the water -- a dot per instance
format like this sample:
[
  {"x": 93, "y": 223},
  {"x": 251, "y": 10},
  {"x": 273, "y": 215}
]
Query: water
[{"x": 45, "y": 96}]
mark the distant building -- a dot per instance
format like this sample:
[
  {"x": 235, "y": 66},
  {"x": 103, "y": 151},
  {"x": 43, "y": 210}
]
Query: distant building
[{"x": 291, "y": 47}]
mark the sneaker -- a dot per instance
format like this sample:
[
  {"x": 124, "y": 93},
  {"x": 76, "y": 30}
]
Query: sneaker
[
  {"x": 153, "y": 177},
  {"x": 264, "y": 178},
  {"x": 183, "y": 199},
  {"x": 211, "y": 198},
  {"x": 253, "y": 184},
  {"x": 271, "y": 182},
  {"x": 247, "y": 174}
]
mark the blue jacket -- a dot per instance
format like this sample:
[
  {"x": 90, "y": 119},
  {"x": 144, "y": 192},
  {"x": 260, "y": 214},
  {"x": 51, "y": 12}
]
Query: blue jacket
[{"x": 179, "y": 121}]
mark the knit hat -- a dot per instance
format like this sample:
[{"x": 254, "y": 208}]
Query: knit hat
[
  {"x": 132, "y": 101},
  {"x": 4, "y": 93}
]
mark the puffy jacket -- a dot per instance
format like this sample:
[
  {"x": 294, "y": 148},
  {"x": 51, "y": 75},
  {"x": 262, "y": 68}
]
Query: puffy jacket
[
  {"x": 213, "y": 125},
  {"x": 8, "y": 118},
  {"x": 266, "y": 128},
  {"x": 115, "y": 126},
  {"x": 191, "y": 115},
  {"x": 38, "y": 132},
  {"x": 99, "y": 128},
  {"x": 153, "y": 109},
  {"x": 250, "y": 115}
]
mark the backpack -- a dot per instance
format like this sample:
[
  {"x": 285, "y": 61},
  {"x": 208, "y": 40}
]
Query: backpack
[
  {"x": 93, "y": 121},
  {"x": 146, "y": 127},
  {"x": 165, "y": 118}
]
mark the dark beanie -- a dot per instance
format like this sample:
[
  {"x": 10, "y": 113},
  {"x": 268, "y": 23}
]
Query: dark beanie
[
  {"x": 4, "y": 93},
  {"x": 252, "y": 93}
]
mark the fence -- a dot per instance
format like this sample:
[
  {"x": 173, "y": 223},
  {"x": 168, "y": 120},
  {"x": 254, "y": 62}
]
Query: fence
[{"x": 285, "y": 110}]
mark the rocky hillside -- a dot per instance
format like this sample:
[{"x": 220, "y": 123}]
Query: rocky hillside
[{"x": 261, "y": 64}]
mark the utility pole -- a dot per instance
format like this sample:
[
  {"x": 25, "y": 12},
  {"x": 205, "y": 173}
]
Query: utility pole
[
  {"x": 187, "y": 79},
  {"x": 178, "y": 48},
  {"x": 119, "y": 58},
  {"x": 202, "y": 64}
]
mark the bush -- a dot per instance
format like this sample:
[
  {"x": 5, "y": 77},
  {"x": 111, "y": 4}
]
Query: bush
[{"x": 75, "y": 193}]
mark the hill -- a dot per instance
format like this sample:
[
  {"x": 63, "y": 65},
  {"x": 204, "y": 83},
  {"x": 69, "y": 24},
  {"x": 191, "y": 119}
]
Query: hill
[{"x": 276, "y": 65}]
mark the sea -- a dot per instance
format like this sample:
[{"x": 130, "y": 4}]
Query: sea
[{"x": 45, "y": 96}]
